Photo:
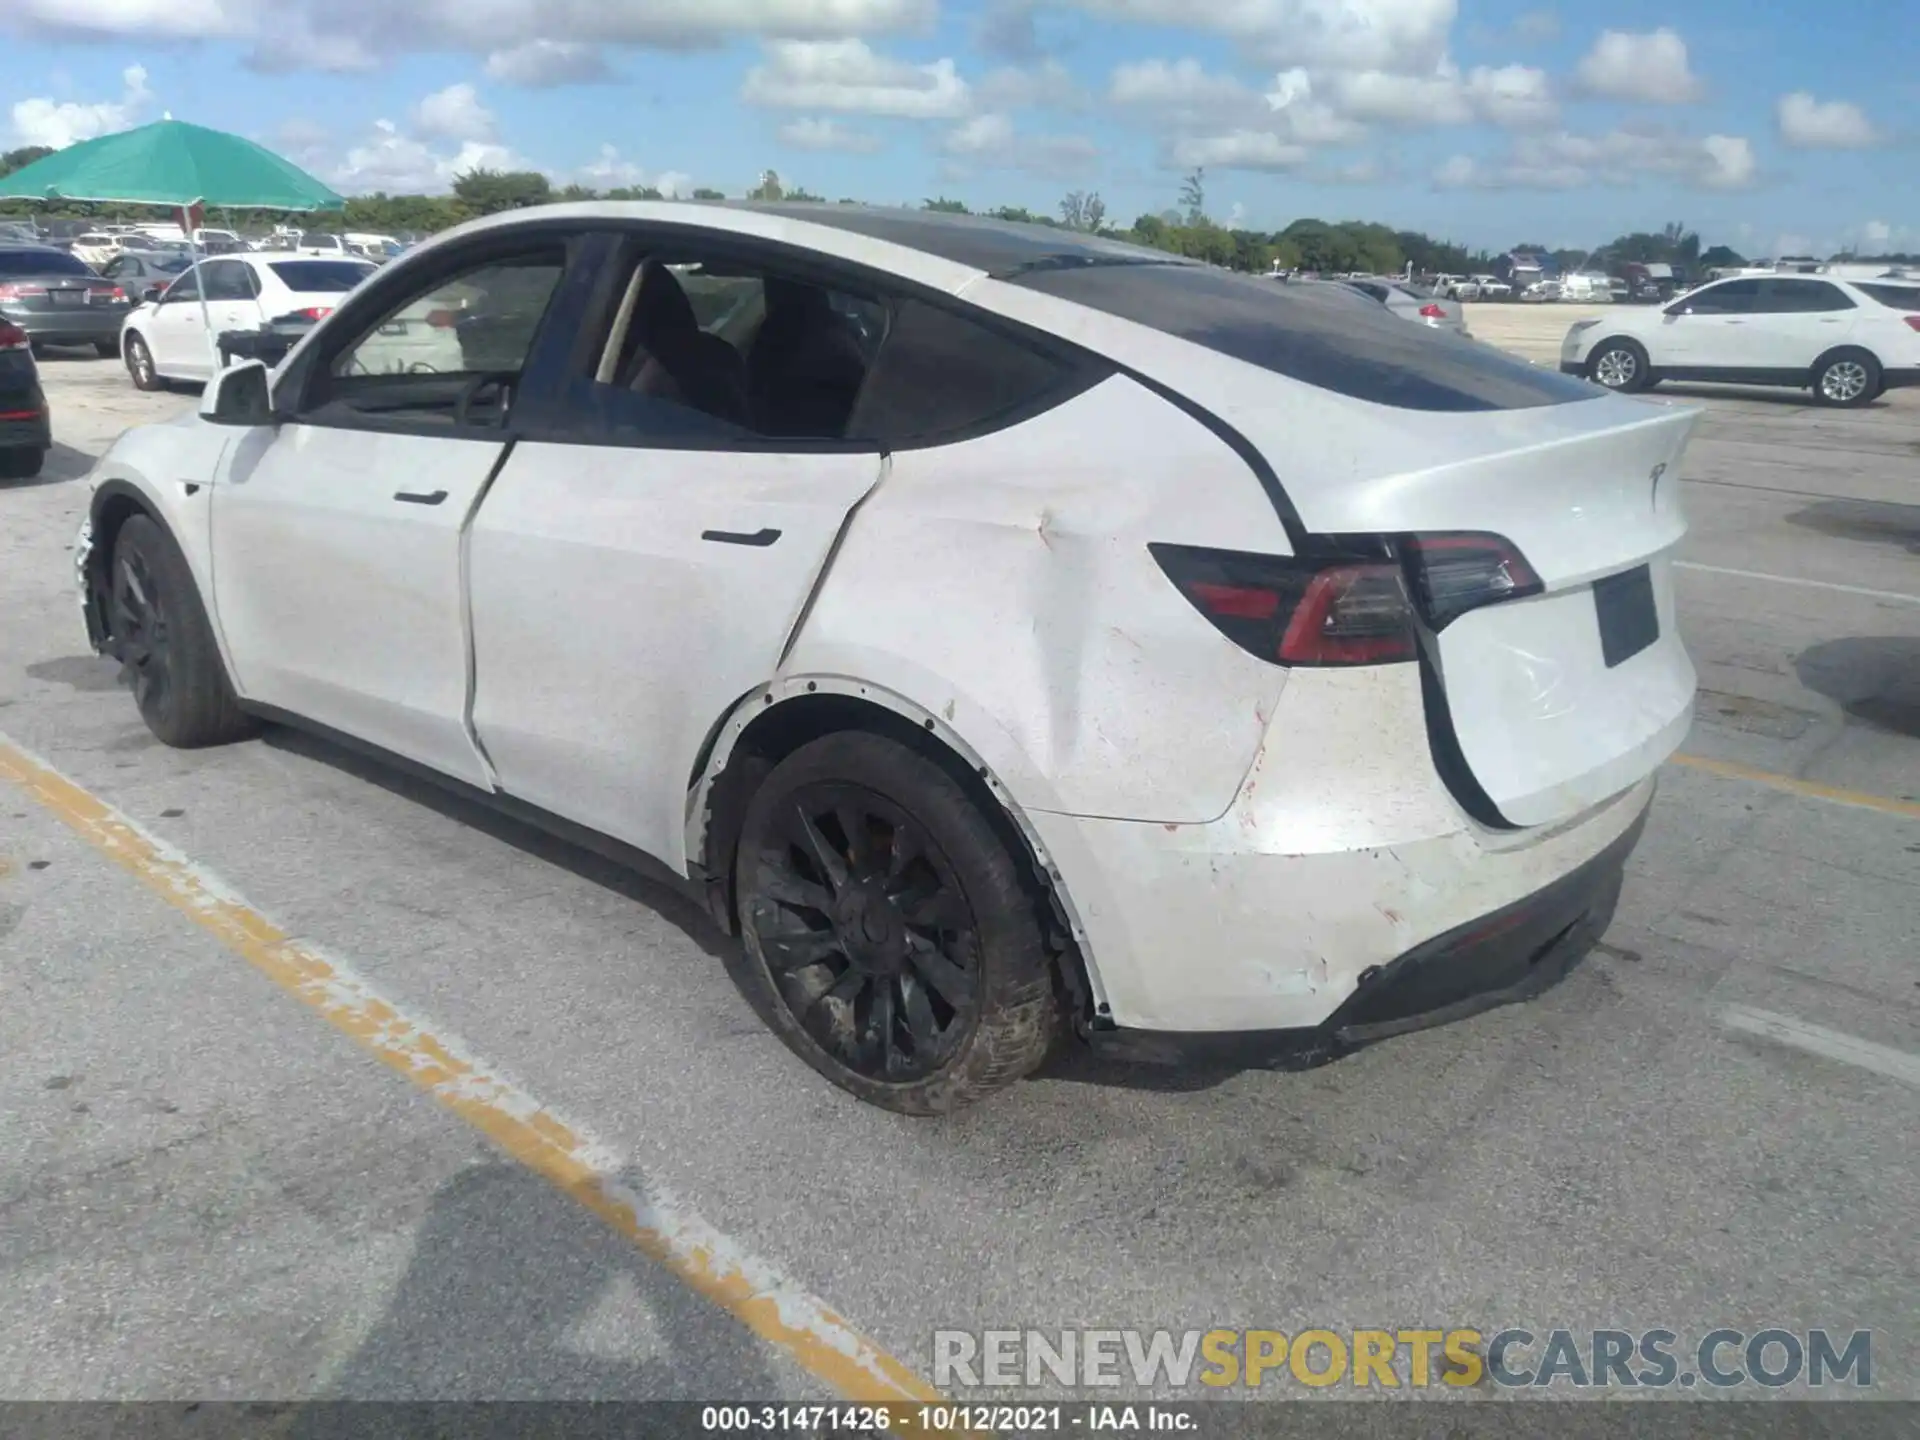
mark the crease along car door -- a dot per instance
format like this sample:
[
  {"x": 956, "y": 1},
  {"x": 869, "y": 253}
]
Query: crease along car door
[
  {"x": 636, "y": 570},
  {"x": 337, "y": 537}
]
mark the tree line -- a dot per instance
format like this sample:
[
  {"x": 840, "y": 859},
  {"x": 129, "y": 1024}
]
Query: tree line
[{"x": 1186, "y": 228}]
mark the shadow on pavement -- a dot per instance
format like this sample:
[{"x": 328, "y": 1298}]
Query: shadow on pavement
[
  {"x": 1873, "y": 521},
  {"x": 63, "y": 464},
  {"x": 1874, "y": 678}
]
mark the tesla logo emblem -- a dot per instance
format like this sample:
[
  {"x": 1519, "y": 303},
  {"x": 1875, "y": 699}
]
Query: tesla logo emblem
[{"x": 1653, "y": 496}]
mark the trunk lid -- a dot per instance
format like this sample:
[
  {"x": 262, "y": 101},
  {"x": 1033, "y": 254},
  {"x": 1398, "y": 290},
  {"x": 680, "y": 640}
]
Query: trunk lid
[{"x": 1560, "y": 700}]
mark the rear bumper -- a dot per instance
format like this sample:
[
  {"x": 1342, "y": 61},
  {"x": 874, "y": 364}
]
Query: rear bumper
[
  {"x": 1344, "y": 858},
  {"x": 1504, "y": 958},
  {"x": 24, "y": 422},
  {"x": 82, "y": 325}
]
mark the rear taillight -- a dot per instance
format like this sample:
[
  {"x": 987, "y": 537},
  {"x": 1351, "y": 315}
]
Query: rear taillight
[
  {"x": 443, "y": 319},
  {"x": 1364, "y": 606},
  {"x": 1913, "y": 321},
  {"x": 1297, "y": 612},
  {"x": 1452, "y": 574},
  {"x": 107, "y": 292},
  {"x": 315, "y": 312},
  {"x": 12, "y": 291},
  {"x": 1433, "y": 312},
  {"x": 12, "y": 337}
]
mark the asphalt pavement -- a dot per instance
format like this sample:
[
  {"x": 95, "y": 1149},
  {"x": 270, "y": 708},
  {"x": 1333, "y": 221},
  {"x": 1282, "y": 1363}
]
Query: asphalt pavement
[{"x": 314, "y": 1082}]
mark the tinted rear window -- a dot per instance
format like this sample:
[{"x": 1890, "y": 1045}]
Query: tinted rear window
[
  {"x": 313, "y": 276},
  {"x": 1314, "y": 334},
  {"x": 42, "y": 262},
  {"x": 1900, "y": 297}
]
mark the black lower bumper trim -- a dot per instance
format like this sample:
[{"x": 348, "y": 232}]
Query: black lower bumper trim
[{"x": 1502, "y": 958}]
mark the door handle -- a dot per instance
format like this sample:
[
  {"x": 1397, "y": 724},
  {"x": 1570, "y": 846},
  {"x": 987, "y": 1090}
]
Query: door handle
[
  {"x": 760, "y": 538},
  {"x": 412, "y": 498}
]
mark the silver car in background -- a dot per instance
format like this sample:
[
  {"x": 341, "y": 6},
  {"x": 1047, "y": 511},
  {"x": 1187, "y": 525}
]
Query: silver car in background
[{"x": 1411, "y": 302}]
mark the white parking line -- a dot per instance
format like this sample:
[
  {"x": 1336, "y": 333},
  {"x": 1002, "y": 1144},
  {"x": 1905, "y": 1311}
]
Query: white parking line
[
  {"x": 1818, "y": 1040},
  {"x": 1893, "y": 595}
]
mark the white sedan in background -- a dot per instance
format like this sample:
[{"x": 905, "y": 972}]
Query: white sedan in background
[
  {"x": 167, "y": 338},
  {"x": 1846, "y": 340},
  {"x": 1007, "y": 632}
]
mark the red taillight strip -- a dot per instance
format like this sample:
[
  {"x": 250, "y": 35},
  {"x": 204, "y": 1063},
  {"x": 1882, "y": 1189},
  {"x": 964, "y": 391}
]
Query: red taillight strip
[{"x": 20, "y": 414}]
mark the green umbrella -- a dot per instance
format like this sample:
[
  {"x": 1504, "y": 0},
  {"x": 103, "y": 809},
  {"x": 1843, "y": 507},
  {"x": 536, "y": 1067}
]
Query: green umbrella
[{"x": 171, "y": 163}]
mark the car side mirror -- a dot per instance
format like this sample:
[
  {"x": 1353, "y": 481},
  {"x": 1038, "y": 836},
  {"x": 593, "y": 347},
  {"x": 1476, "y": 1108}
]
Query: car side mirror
[{"x": 239, "y": 396}]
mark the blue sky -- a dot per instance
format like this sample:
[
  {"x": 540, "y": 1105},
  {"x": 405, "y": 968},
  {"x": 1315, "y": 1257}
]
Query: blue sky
[{"x": 1486, "y": 121}]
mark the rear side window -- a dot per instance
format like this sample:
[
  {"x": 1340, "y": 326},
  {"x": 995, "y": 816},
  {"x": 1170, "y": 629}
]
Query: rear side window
[
  {"x": 1899, "y": 297},
  {"x": 1314, "y": 334},
  {"x": 1801, "y": 297},
  {"x": 42, "y": 262},
  {"x": 310, "y": 277},
  {"x": 940, "y": 374}
]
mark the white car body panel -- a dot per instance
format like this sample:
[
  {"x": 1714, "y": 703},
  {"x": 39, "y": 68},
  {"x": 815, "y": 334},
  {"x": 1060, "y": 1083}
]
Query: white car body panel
[
  {"x": 677, "y": 629},
  {"x": 342, "y": 603}
]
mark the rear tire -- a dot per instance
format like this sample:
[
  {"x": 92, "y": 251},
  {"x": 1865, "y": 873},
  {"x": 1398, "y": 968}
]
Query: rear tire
[
  {"x": 140, "y": 364},
  {"x": 1847, "y": 379},
  {"x": 165, "y": 644},
  {"x": 1620, "y": 365},
  {"x": 21, "y": 464},
  {"x": 890, "y": 938}
]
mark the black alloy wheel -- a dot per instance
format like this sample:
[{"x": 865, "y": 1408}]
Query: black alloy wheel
[
  {"x": 892, "y": 939},
  {"x": 866, "y": 933},
  {"x": 141, "y": 631}
]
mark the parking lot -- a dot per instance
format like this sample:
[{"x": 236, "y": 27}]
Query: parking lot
[{"x": 314, "y": 1082}]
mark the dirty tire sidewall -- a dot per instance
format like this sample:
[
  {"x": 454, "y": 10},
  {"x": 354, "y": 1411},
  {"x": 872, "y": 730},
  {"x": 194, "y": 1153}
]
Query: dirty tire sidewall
[
  {"x": 1019, "y": 1016},
  {"x": 199, "y": 707}
]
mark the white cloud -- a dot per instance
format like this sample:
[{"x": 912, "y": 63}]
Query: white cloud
[
  {"x": 1184, "y": 96},
  {"x": 1810, "y": 124},
  {"x": 1651, "y": 68},
  {"x": 397, "y": 163},
  {"x": 846, "y": 75},
  {"x": 324, "y": 33},
  {"x": 539, "y": 64},
  {"x": 611, "y": 170},
  {"x": 810, "y": 132},
  {"x": 59, "y": 123},
  {"x": 1511, "y": 95},
  {"x": 1237, "y": 150},
  {"x": 455, "y": 113},
  {"x": 1875, "y": 234},
  {"x": 1331, "y": 34},
  {"x": 1563, "y": 161},
  {"x": 991, "y": 139}
]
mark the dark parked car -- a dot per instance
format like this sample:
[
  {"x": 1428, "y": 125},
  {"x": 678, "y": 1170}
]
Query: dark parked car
[
  {"x": 25, "y": 434},
  {"x": 58, "y": 299}
]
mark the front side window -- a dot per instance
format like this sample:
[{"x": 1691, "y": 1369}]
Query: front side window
[
  {"x": 185, "y": 288},
  {"x": 1729, "y": 297},
  {"x": 451, "y": 353}
]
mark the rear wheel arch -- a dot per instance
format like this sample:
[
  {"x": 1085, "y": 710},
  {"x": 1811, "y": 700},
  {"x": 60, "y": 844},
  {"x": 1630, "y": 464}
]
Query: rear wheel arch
[{"x": 771, "y": 724}]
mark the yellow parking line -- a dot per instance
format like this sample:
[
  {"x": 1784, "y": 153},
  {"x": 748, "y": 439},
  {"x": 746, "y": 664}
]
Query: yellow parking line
[
  {"x": 774, "y": 1308},
  {"x": 1809, "y": 789}
]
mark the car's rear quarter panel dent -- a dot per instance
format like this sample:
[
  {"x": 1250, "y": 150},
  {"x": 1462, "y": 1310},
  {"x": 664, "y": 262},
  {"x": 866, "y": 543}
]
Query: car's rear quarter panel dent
[{"x": 1005, "y": 584}]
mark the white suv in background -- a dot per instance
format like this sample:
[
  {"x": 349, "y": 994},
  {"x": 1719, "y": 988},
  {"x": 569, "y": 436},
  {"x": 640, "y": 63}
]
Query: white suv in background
[{"x": 1846, "y": 340}]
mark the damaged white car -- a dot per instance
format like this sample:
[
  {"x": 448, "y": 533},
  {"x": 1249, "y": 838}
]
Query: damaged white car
[{"x": 1010, "y": 633}]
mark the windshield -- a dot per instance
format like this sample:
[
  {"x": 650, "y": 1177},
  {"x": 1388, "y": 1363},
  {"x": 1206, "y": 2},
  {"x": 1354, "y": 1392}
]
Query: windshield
[{"x": 313, "y": 277}]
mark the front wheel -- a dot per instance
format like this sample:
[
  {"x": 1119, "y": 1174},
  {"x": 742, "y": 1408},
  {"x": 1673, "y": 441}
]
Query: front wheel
[
  {"x": 890, "y": 939},
  {"x": 140, "y": 365},
  {"x": 1620, "y": 365},
  {"x": 165, "y": 645},
  {"x": 1847, "y": 378}
]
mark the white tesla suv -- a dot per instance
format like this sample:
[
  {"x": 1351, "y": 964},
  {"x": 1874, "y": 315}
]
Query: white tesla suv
[
  {"x": 1009, "y": 633},
  {"x": 1846, "y": 340}
]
